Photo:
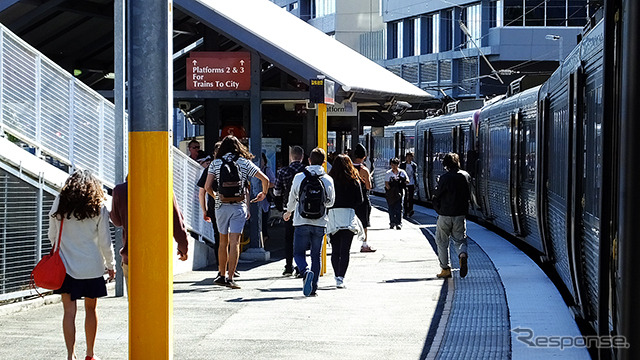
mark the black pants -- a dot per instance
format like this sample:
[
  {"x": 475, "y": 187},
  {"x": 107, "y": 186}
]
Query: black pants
[
  {"x": 216, "y": 238},
  {"x": 265, "y": 224},
  {"x": 408, "y": 199},
  {"x": 288, "y": 243},
  {"x": 340, "y": 247}
]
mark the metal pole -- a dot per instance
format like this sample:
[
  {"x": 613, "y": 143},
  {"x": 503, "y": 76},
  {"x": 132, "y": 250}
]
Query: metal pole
[
  {"x": 255, "y": 225},
  {"x": 119, "y": 48},
  {"x": 150, "y": 180},
  {"x": 322, "y": 143}
]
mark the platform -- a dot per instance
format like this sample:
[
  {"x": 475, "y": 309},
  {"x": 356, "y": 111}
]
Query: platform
[{"x": 393, "y": 308}]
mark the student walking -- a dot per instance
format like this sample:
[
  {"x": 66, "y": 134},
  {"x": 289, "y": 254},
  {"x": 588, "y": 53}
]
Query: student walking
[
  {"x": 284, "y": 179},
  {"x": 81, "y": 219},
  {"x": 312, "y": 193},
  {"x": 410, "y": 167},
  {"x": 343, "y": 222},
  {"x": 451, "y": 202},
  {"x": 231, "y": 170},
  {"x": 363, "y": 211},
  {"x": 395, "y": 181}
]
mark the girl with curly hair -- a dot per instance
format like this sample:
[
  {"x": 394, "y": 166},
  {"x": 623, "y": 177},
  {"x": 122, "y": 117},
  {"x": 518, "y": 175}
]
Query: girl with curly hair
[{"x": 85, "y": 250}]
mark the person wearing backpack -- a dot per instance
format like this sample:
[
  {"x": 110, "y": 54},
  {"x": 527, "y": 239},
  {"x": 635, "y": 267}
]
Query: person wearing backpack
[
  {"x": 395, "y": 181},
  {"x": 312, "y": 193},
  {"x": 231, "y": 171}
]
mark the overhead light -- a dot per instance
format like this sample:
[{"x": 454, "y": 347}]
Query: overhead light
[{"x": 110, "y": 76}]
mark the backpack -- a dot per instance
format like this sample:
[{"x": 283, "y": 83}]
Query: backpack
[
  {"x": 312, "y": 197},
  {"x": 229, "y": 183}
]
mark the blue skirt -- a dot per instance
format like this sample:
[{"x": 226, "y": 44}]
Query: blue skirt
[{"x": 79, "y": 288}]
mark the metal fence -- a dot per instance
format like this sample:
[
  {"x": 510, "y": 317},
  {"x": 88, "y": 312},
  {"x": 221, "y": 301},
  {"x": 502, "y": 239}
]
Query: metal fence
[{"x": 59, "y": 116}]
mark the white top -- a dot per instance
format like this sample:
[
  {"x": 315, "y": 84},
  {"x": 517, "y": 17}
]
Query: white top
[
  {"x": 345, "y": 219},
  {"x": 410, "y": 173},
  {"x": 294, "y": 194},
  {"x": 86, "y": 247},
  {"x": 389, "y": 175}
]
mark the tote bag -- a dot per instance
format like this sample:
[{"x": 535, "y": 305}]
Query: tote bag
[{"x": 50, "y": 272}]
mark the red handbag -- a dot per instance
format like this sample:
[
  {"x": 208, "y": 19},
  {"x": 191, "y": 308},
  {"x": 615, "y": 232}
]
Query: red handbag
[{"x": 50, "y": 272}]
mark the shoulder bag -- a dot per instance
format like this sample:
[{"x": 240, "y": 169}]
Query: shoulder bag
[{"x": 50, "y": 272}]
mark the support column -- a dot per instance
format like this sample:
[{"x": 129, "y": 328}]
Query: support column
[
  {"x": 256, "y": 247},
  {"x": 211, "y": 123},
  {"x": 119, "y": 96},
  {"x": 150, "y": 180}
]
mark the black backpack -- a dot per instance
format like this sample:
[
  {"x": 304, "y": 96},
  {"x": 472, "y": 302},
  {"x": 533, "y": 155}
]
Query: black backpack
[
  {"x": 229, "y": 183},
  {"x": 312, "y": 197}
]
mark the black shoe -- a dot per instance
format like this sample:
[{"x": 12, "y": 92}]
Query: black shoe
[
  {"x": 464, "y": 269},
  {"x": 288, "y": 271},
  {"x": 297, "y": 273},
  {"x": 220, "y": 281},
  {"x": 236, "y": 273},
  {"x": 313, "y": 294},
  {"x": 399, "y": 227},
  {"x": 391, "y": 226}
]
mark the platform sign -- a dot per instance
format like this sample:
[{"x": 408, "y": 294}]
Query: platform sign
[
  {"x": 322, "y": 91},
  {"x": 219, "y": 71}
]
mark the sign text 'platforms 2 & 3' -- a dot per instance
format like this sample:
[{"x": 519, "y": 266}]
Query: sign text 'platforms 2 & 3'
[{"x": 219, "y": 71}]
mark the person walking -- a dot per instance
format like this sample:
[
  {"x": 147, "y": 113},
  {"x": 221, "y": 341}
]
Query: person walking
[
  {"x": 395, "y": 181},
  {"x": 231, "y": 170},
  {"x": 81, "y": 219},
  {"x": 410, "y": 167},
  {"x": 265, "y": 205},
  {"x": 312, "y": 193},
  {"x": 451, "y": 202},
  {"x": 120, "y": 217},
  {"x": 343, "y": 222},
  {"x": 363, "y": 211},
  {"x": 193, "y": 148},
  {"x": 282, "y": 188}
]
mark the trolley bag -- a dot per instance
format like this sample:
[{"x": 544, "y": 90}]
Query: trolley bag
[
  {"x": 229, "y": 184},
  {"x": 50, "y": 272},
  {"x": 313, "y": 197}
]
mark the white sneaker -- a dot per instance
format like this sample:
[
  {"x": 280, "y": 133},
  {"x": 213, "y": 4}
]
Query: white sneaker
[{"x": 340, "y": 282}]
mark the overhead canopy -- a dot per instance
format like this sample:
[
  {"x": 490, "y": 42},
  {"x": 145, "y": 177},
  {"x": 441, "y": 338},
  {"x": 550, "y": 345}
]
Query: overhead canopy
[{"x": 299, "y": 48}]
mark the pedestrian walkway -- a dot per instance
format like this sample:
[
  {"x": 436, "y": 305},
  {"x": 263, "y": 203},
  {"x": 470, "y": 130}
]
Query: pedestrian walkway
[{"x": 393, "y": 308}]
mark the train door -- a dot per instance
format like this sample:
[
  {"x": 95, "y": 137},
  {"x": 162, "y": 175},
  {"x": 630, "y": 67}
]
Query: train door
[
  {"x": 542, "y": 154},
  {"x": 514, "y": 172},
  {"x": 575, "y": 186},
  {"x": 428, "y": 163},
  {"x": 483, "y": 171}
]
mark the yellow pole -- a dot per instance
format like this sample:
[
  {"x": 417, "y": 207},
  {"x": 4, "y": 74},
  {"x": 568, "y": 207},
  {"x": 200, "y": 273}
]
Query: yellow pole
[
  {"x": 150, "y": 246},
  {"x": 322, "y": 143}
]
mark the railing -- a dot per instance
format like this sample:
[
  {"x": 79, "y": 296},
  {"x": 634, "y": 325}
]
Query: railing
[{"x": 57, "y": 115}]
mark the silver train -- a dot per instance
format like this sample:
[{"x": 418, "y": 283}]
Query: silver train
[{"x": 544, "y": 169}]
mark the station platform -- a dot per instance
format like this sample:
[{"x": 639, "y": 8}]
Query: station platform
[{"x": 394, "y": 307}]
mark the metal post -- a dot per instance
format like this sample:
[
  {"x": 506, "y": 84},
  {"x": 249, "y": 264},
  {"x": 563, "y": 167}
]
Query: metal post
[
  {"x": 38, "y": 97},
  {"x": 119, "y": 48},
  {"x": 322, "y": 143},
  {"x": 256, "y": 145},
  {"x": 150, "y": 180}
]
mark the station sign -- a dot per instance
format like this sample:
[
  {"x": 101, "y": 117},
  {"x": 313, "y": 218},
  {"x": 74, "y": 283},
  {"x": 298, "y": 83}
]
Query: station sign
[
  {"x": 347, "y": 108},
  {"x": 322, "y": 91},
  {"x": 219, "y": 71}
]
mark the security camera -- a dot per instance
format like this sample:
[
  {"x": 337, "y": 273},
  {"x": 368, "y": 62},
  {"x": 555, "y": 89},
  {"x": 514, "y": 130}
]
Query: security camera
[{"x": 184, "y": 105}]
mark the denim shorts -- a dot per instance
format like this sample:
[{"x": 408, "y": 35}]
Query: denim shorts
[{"x": 231, "y": 218}]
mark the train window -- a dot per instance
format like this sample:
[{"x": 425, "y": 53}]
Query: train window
[
  {"x": 500, "y": 154},
  {"x": 528, "y": 151},
  {"x": 534, "y": 13}
]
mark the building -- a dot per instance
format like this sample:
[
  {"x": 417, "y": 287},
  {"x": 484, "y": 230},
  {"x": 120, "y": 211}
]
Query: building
[
  {"x": 439, "y": 45},
  {"x": 425, "y": 42},
  {"x": 355, "y": 23}
]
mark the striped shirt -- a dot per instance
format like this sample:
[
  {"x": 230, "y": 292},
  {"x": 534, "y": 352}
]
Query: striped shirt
[{"x": 246, "y": 170}]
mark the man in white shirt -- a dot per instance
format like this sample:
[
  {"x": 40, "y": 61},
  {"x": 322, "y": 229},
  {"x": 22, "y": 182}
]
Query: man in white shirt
[{"x": 309, "y": 230}]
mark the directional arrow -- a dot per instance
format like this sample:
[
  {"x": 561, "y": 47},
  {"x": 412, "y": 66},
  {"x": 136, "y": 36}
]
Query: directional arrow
[
  {"x": 241, "y": 62},
  {"x": 195, "y": 62}
]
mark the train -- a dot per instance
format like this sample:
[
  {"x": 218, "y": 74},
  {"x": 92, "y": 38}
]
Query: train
[{"x": 546, "y": 164}]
